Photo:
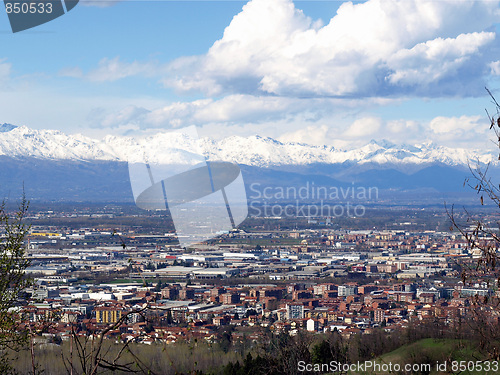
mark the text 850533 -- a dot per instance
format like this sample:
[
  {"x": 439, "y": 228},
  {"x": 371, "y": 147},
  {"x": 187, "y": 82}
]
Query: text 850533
[{"x": 28, "y": 7}]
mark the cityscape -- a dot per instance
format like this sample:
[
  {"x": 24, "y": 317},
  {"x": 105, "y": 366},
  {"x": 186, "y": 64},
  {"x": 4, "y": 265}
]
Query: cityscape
[
  {"x": 257, "y": 187},
  {"x": 273, "y": 276}
]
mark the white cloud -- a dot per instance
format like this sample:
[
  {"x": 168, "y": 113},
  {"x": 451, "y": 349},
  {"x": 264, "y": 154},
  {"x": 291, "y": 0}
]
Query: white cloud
[
  {"x": 100, "y": 3},
  {"x": 363, "y": 128},
  {"x": 114, "y": 69},
  {"x": 402, "y": 127},
  {"x": 5, "y": 71},
  {"x": 371, "y": 48},
  {"x": 366, "y": 49},
  {"x": 428, "y": 62},
  {"x": 463, "y": 131},
  {"x": 313, "y": 135},
  {"x": 495, "y": 68},
  {"x": 176, "y": 114},
  {"x": 130, "y": 115},
  {"x": 275, "y": 70},
  {"x": 245, "y": 109},
  {"x": 458, "y": 126}
]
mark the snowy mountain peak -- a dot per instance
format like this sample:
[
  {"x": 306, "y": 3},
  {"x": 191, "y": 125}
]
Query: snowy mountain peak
[
  {"x": 384, "y": 143},
  {"x": 259, "y": 151},
  {"x": 6, "y": 127}
]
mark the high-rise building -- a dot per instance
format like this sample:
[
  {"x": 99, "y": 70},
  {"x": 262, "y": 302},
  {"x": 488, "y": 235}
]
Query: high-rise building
[{"x": 295, "y": 311}]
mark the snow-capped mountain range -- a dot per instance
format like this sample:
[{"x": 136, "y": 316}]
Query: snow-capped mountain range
[
  {"x": 49, "y": 165},
  {"x": 172, "y": 147}
]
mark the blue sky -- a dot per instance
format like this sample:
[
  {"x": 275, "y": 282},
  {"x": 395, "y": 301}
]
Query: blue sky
[{"x": 319, "y": 72}]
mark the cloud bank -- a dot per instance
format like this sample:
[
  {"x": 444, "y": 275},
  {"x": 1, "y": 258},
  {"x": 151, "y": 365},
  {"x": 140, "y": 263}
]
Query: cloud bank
[
  {"x": 376, "y": 48},
  {"x": 275, "y": 71}
]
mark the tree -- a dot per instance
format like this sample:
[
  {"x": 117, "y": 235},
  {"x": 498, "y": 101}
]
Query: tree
[
  {"x": 13, "y": 263},
  {"x": 158, "y": 287},
  {"x": 321, "y": 352},
  {"x": 94, "y": 354},
  {"x": 482, "y": 235},
  {"x": 250, "y": 312},
  {"x": 169, "y": 318}
]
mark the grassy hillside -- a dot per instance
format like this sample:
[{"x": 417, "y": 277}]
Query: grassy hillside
[{"x": 446, "y": 353}]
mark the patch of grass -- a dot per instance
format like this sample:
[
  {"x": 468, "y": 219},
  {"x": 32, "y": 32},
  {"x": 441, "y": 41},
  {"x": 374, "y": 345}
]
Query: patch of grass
[{"x": 427, "y": 353}]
